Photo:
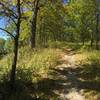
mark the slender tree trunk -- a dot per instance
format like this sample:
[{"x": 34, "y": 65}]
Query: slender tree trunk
[
  {"x": 13, "y": 71},
  {"x": 92, "y": 40},
  {"x": 40, "y": 33},
  {"x": 16, "y": 40},
  {"x": 33, "y": 24},
  {"x": 97, "y": 31},
  {"x": 83, "y": 41}
]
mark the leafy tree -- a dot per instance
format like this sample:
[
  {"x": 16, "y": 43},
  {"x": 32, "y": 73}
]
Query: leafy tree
[
  {"x": 82, "y": 21},
  {"x": 12, "y": 11},
  {"x": 50, "y": 23}
]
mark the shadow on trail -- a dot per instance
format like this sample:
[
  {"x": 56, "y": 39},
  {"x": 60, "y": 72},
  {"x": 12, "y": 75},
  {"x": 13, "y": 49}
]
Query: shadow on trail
[
  {"x": 80, "y": 79},
  {"x": 25, "y": 89},
  {"x": 58, "y": 81}
]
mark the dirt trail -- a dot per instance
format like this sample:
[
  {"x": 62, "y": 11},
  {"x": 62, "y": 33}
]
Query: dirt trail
[{"x": 70, "y": 83}]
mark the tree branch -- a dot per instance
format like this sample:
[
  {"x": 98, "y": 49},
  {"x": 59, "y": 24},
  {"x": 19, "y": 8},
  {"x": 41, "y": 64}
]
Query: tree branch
[
  {"x": 7, "y": 32},
  {"x": 9, "y": 10},
  {"x": 7, "y": 15},
  {"x": 13, "y": 20}
]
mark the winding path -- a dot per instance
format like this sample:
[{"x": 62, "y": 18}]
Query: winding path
[{"x": 70, "y": 83}]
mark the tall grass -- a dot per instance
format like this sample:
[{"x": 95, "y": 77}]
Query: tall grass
[{"x": 31, "y": 62}]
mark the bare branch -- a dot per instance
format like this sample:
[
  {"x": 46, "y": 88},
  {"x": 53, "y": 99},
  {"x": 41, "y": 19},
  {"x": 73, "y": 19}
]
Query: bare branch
[
  {"x": 7, "y": 32},
  {"x": 13, "y": 20},
  {"x": 7, "y": 15}
]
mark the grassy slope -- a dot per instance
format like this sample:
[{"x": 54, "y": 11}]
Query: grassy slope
[
  {"x": 88, "y": 62},
  {"x": 33, "y": 66},
  {"x": 89, "y": 72},
  {"x": 38, "y": 61}
]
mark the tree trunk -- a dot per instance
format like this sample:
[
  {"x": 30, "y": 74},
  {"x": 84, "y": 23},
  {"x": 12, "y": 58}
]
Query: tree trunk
[
  {"x": 33, "y": 24},
  {"x": 97, "y": 31},
  {"x": 92, "y": 40},
  {"x": 83, "y": 41},
  {"x": 16, "y": 40},
  {"x": 13, "y": 71}
]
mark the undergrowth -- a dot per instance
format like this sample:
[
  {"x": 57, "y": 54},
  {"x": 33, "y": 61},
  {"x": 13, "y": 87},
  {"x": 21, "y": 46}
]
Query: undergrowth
[{"x": 35, "y": 62}]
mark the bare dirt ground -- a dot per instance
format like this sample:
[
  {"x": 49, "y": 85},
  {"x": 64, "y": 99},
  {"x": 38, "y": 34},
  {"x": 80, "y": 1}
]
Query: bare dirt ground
[
  {"x": 70, "y": 83},
  {"x": 66, "y": 81}
]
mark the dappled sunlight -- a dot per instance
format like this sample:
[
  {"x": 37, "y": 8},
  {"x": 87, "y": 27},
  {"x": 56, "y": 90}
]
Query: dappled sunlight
[{"x": 49, "y": 50}]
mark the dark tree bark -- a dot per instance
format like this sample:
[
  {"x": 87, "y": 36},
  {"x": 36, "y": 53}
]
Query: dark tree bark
[
  {"x": 13, "y": 70},
  {"x": 33, "y": 24},
  {"x": 97, "y": 31},
  {"x": 83, "y": 41},
  {"x": 92, "y": 40}
]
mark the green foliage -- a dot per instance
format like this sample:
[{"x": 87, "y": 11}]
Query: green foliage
[
  {"x": 9, "y": 45},
  {"x": 80, "y": 20},
  {"x": 2, "y": 43},
  {"x": 58, "y": 25},
  {"x": 31, "y": 63},
  {"x": 92, "y": 65},
  {"x": 94, "y": 58},
  {"x": 50, "y": 23}
]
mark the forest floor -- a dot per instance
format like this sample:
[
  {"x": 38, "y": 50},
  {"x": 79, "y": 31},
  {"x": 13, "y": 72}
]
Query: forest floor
[
  {"x": 68, "y": 80},
  {"x": 70, "y": 77}
]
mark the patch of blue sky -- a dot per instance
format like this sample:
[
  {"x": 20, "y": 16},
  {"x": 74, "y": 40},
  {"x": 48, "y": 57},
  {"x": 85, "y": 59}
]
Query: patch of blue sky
[
  {"x": 65, "y": 1},
  {"x": 2, "y": 25}
]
